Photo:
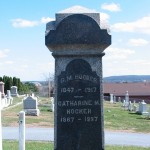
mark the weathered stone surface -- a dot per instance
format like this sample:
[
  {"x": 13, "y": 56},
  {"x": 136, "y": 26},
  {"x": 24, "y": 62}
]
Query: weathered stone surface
[
  {"x": 30, "y": 103},
  {"x": 30, "y": 106},
  {"x": 86, "y": 32}
]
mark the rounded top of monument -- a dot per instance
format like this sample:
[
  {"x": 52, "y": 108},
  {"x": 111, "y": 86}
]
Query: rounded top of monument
[
  {"x": 77, "y": 9},
  {"x": 2, "y": 82}
]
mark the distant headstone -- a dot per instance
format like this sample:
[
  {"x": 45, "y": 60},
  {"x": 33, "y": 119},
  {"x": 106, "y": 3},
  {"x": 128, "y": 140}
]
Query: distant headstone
[
  {"x": 111, "y": 98},
  {"x": 127, "y": 97},
  {"x": 119, "y": 99},
  {"x": 142, "y": 108},
  {"x": 77, "y": 43},
  {"x": 32, "y": 94},
  {"x": 114, "y": 100},
  {"x": 9, "y": 98},
  {"x": 52, "y": 104},
  {"x": 0, "y": 99},
  {"x": 14, "y": 91},
  {"x": 2, "y": 88},
  {"x": 0, "y": 124},
  {"x": 130, "y": 107},
  {"x": 30, "y": 106}
]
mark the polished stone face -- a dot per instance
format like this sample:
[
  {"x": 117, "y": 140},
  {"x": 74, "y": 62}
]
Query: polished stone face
[
  {"x": 78, "y": 108},
  {"x": 77, "y": 43}
]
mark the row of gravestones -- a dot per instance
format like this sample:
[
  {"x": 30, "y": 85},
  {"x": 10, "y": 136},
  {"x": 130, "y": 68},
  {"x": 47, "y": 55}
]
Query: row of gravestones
[
  {"x": 140, "y": 109},
  {"x": 6, "y": 100},
  {"x": 113, "y": 98},
  {"x": 13, "y": 91},
  {"x": 128, "y": 105}
]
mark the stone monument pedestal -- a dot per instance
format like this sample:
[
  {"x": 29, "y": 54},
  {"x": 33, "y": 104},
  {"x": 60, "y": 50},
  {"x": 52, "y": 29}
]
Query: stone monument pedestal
[
  {"x": 32, "y": 112},
  {"x": 77, "y": 43}
]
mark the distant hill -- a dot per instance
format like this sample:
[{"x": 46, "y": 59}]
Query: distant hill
[{"x": 127, "y": 78}]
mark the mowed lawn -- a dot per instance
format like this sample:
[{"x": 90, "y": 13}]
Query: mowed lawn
[
  {"x": 115, "y": 117},
  {"x": 45, "y": 119},
  {"x": 38, "y": 145}
]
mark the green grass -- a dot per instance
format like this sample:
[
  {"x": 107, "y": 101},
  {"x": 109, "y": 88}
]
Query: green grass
[
  {"x": 45, "y": 119},
  {"x": 116, "y": 118},
  {"x": 38, "y": 145},
  {"x": 29, "y": 145}
]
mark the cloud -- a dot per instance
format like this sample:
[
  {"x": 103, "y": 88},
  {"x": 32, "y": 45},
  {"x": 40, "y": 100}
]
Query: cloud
[
  {"x": 9, "y": 62},
  {"x": 118, "y": 53},
  {"x": 78, "y": 9},
  {"x": 46, "y": 19},
  {"x": 22, "y": 23},
  {"x": 138, "y": 42},
  {"x": 3, "y": 53},
  {"x": 104, "y": 21},
  {"x": 140, "y": 26},
  {"x": 111, "y": 7},
  {"x": 139, "y": 62}
]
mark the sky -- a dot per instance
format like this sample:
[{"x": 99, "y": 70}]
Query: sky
[{"x": 23, "y": 53}]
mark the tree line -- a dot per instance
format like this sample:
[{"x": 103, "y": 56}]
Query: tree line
[{"x": 23, "y": 88}]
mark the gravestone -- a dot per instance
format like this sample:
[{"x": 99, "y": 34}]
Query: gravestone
[
  {"x": 142, "y": 108},
  {"x": 9, "y": 98},
  {"x": 77, "y": 43},
  {"x": 2, "y": 88},
  {"x": 130, "y": 107},
  {"x": 111, "y": 98},
  {"x": 14, "y": 91},
  {"x": 126, "y": 99},
  {"x": 52, "y": 104},
  {"x": 0, "y": 124},
  {"x": 30, "y": 106}
]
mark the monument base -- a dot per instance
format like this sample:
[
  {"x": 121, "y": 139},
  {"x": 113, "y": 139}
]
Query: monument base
[
  {"x": 15, "y": 95},
  {"x": 32, "y": 112},
  {"x": 143, "y": 113}
]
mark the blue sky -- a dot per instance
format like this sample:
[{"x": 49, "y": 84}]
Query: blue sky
[{"x": 22, "y": 36}]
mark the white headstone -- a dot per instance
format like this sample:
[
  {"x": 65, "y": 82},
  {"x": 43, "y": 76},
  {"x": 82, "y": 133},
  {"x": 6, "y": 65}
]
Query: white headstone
[
  {"x": 142, "y": 108},
  {"x": 52, "y": 104},
  {"x": 111, "y": 98},
  {"x": 0, "y": 125},
  {"x": 130, "y": 106},
  {"x": 8, "y": 94},
  {"x": 30, "y": 106},
  {"x": 127, "y": 97},
  {"x": 114, "y": 99},
  {"x": 2, "y": 88},
  {"x": 14, "y": 91}
]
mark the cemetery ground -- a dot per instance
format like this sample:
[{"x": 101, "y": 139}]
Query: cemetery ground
[
  {"x": 30, "y": 145},
  {"x": 115, "y": 118}
]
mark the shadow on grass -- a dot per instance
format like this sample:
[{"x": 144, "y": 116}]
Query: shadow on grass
[{"x": 142, "y": 117}]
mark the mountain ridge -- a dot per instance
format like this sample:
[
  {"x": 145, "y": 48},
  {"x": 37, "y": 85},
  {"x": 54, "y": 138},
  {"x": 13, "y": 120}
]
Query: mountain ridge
[{"x": 127, "y": 78}]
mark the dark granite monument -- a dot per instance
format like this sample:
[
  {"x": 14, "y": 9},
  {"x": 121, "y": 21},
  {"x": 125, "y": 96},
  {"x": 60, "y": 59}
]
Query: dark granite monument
[{"x": 77, "y": 43}]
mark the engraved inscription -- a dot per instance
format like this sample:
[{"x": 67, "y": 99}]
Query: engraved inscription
[{"x": 78, "y": 101}]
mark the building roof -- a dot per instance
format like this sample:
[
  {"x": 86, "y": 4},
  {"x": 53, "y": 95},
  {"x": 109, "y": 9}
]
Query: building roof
[{"x": 134, "y": 89}]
